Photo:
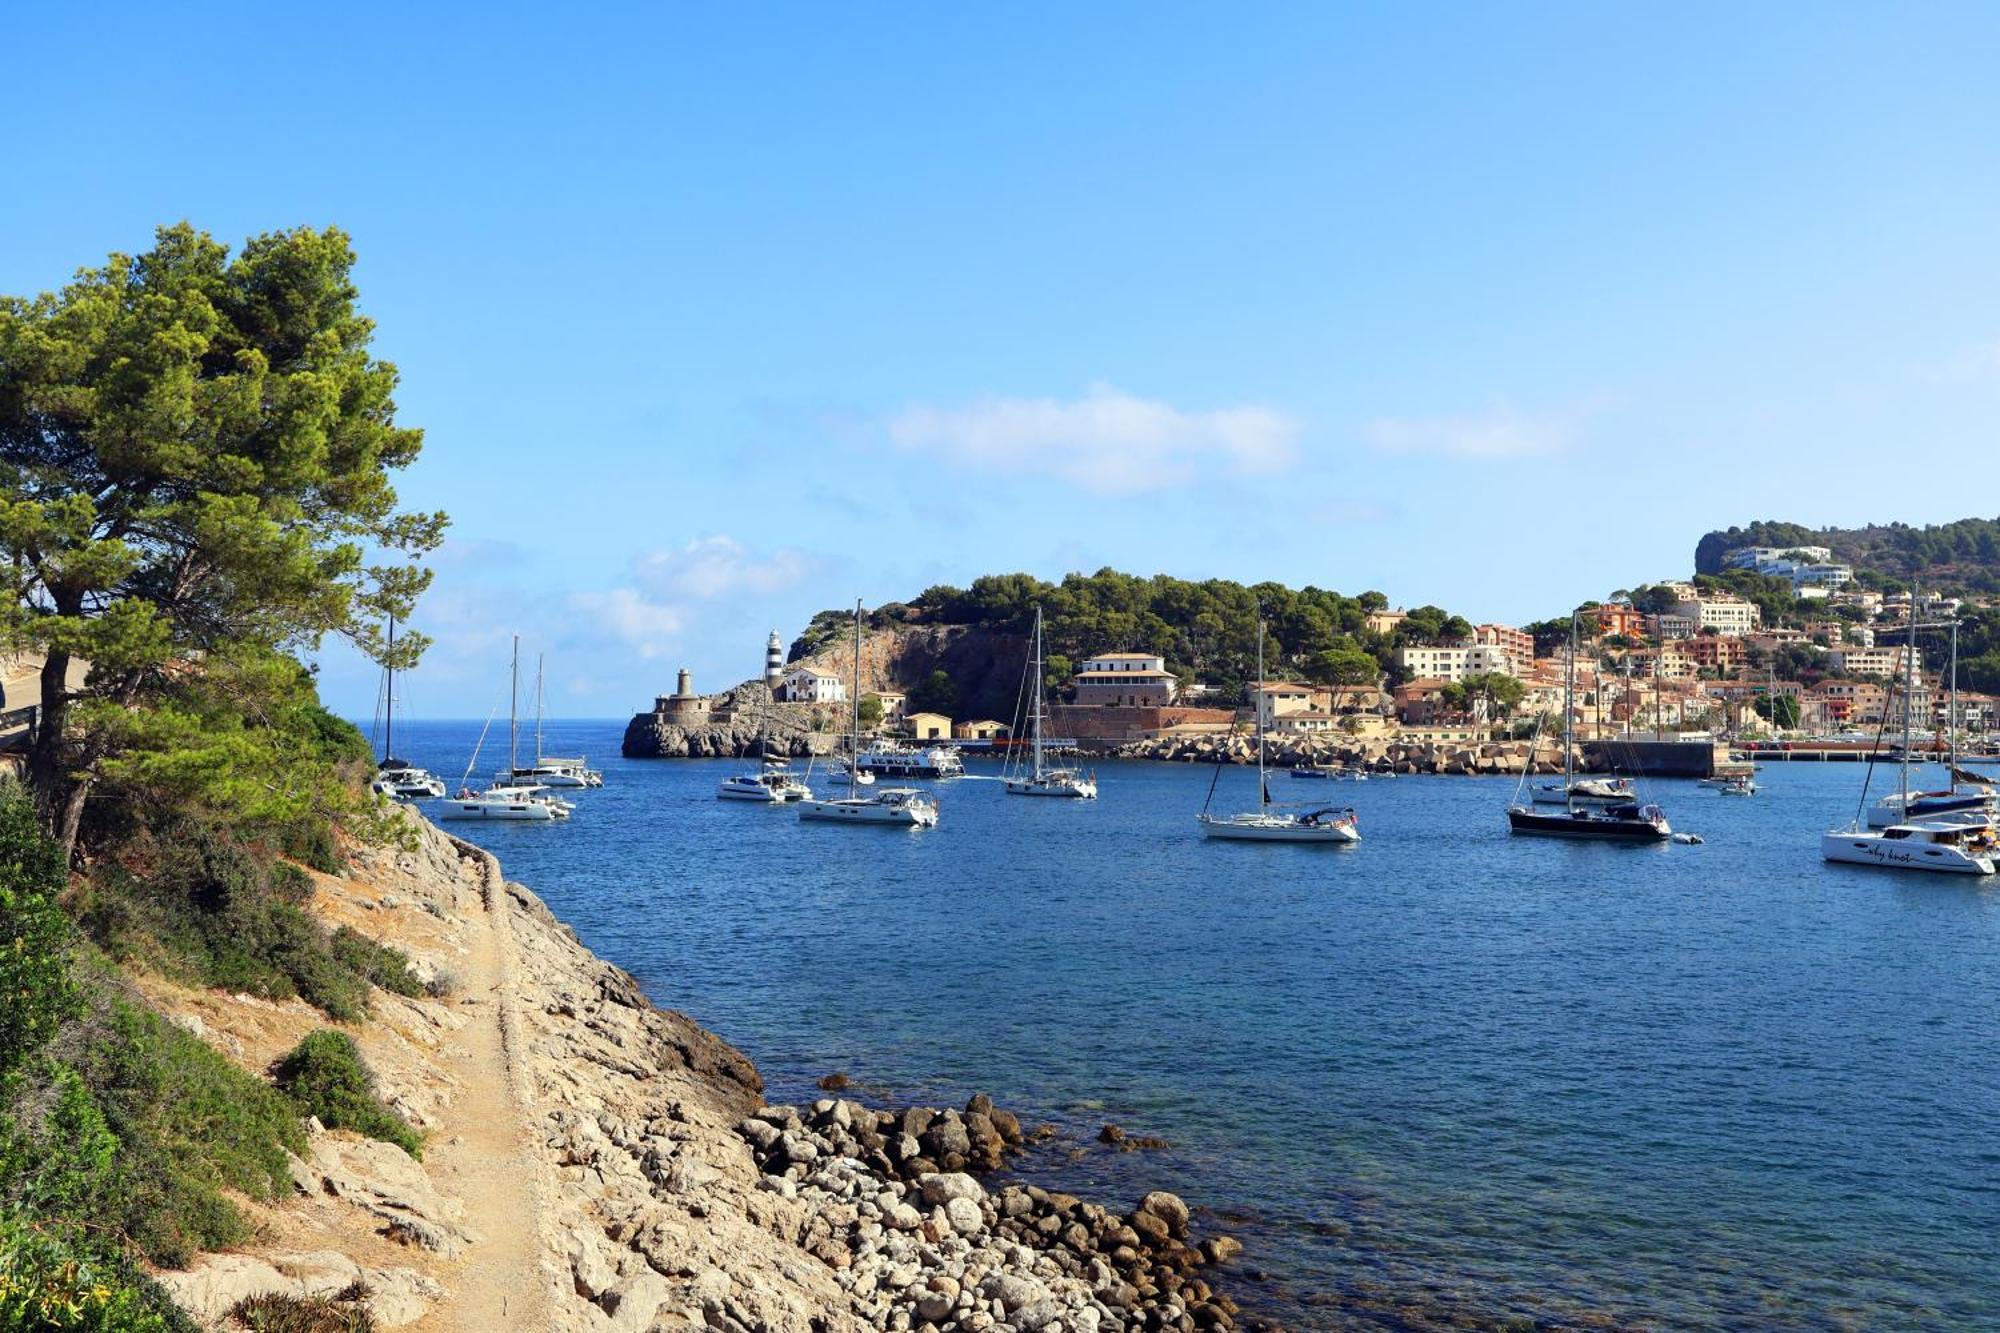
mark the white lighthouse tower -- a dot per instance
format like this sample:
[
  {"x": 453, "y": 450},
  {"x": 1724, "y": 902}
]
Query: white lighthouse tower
[{"x": 774, "y": 662}]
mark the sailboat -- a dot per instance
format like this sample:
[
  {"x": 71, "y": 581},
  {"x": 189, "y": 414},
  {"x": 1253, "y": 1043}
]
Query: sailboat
[
  {"x": 771, "y": 781},
  {"x": 553, "y": 770},
  {"x": 1043, "y": 780},
  {"x": 1624, "y": 821},
  {"x": 399, "y": 779},
  {"x": 1964, "y": 795},
  {"x": 508, "y": 797},
  {"x": 1324, "y": 824},
  {"x": 905, "y": 807},
  {"x": 1956, "y": 842}
]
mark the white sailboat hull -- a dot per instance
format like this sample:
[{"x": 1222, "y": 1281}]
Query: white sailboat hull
[
  {"x": 868, "y": 810},
  {"x": 480, "y": 808},
  {"x": 1861, "y": 848},
  {"x": 1275, "y": 828},
  {"x": 1075, "y": 788}
]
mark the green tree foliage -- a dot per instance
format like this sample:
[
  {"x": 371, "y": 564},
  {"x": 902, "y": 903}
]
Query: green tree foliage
[
  {"x": 1959, "y": 556},
  {"x": 935, "y": 693},
  {"x": 325, "y": 1076},
  {"x": 1783, "y": 708},
  {"x": 194, "y": 457},
  {"x": 871, "y": 710}
]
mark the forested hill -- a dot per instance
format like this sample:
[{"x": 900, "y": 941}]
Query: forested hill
[
  {"x": 1204, "y": 629},
  {"x": 1960, "y": 556}
]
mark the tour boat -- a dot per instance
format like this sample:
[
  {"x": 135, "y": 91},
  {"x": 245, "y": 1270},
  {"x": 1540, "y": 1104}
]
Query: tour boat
[
  {"x": 1955, "y": 842},
  {"x": 399, "y": 779},
  {"x": 891, "y": 760},
  {"x": 1594, "y": 816},
  {"x": 1041, "y": 779},
  {"x": 507, "y": 796},
  {"x": 1267, "y": 823},
  {"x": 902, "y": 807}
]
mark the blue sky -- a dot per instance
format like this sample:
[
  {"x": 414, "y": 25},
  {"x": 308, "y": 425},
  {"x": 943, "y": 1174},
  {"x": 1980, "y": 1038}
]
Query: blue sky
[{"x": 717, "y": 316}]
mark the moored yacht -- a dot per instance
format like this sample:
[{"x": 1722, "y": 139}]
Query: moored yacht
[
  {"x": 1267, "y": 823},
  {"x": 903, "y": 807},
  {"x": 1602, "y": 817},
  {"x": 774, "y": 782},
  {"x": 1040, "y": 778},
  {"x": 399, "y": 779},
  {"x": 508, "y": 796}
]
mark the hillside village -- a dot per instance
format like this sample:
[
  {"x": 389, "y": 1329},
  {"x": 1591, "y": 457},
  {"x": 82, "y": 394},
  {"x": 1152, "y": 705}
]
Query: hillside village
[{"x": 1779, "y": 640}]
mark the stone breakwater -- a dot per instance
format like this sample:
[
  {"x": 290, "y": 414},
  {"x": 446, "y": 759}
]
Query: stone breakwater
[
  {"x": 593, "y": 1162},
  {"x": 1469, "y": 758}
]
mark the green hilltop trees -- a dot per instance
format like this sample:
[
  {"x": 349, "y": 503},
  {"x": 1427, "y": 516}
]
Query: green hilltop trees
[{"x": 195, "y": 451}]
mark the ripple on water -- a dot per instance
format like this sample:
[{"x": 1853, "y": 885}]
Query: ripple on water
[{"x": 1445, "y": 1073}]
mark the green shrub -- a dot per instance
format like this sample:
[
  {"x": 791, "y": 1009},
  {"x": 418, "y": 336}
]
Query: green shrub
[
  {"x": 380, "y": 963},
  {"x": 36, "y": 993},
  {"x": 54, "y": 1278},
  {"x": 325, "y": 1076},
  {"x": 188, "y": 1124}
]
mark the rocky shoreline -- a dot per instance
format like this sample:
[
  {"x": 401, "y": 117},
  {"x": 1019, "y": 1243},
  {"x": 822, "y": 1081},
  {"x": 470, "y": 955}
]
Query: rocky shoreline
[
  {"x": 1463, "y": 759},
  {"x": 594, "y": 1162}
]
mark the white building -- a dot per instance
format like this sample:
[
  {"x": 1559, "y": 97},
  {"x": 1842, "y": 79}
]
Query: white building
[
  {"x": 1455, "y": 664},
  {"x": 1724, "y": 613},
  {"x": 1804, "y": 566},
  {"x": 807, "y": 686},
  {"x": 1281, "y": 698},
  {"x": 1886, "y": 662}
]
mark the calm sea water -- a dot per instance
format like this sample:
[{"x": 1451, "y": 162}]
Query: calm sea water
[{"x": 1447, "y": 1072}]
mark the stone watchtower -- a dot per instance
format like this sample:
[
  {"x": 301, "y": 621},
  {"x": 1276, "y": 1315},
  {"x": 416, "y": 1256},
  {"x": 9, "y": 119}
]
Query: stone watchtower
[{"x": 774, "y": 662}]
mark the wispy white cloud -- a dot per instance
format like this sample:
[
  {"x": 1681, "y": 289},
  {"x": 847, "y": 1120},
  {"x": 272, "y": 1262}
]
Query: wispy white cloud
[
  {"x": 1499, "y": 433},
  {"x": 718, "y": 566},
  {"x": 632, "y": 620},
  {"x": 1107, "y": 441},
  {"x": 1968, "y": 365}
]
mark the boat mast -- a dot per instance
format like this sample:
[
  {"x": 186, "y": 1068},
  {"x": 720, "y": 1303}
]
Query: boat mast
[
  {"x": 389, "y": 708},
  {"x": 1263, "y": 792},
  {"x": 514, "y": 709},
  {"x": 538, "y": 710},
  {"x": 1569, "y": 717},
  {"x": 854, "y": 758},
  {"x": 1951, "y": 708},
  {"x": 1035, "y": 715},
  {"x": 1909, "y": 689}
]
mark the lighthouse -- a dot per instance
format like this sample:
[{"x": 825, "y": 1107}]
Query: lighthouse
[{"x": 774, "y": 662}]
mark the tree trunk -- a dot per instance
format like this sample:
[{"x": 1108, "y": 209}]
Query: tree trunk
[{"x": 59, "y": 794}]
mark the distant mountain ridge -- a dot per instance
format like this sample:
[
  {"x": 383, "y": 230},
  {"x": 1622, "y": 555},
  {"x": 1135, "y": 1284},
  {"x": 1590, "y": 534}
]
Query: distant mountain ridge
[{"x": 1962, "y": 555}]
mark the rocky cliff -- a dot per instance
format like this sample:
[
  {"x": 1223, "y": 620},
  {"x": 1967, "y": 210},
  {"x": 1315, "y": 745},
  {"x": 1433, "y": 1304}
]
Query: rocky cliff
[{"x": 595, "y": 1163}]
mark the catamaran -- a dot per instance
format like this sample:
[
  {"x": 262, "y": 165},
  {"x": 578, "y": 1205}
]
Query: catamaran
[
  {"x": 1624, "y": 821},
  {"x": 399, "y": 779},
  {"x": 508, "y": 797},
  {"x": 1966, "y": 793},
  {"x": 1041, "y": 779},
  {"x": 901, "y": 806},
  {"x": 1320, "y": 824},
  {"x": 1953, "y": 842},
  {"x": 552, "y": 770},
  {"x": 771, "y": 781}
]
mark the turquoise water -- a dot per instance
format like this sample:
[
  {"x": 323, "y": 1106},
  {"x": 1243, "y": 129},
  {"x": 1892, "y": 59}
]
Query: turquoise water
[{"x": 1444, "y": 1073}]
